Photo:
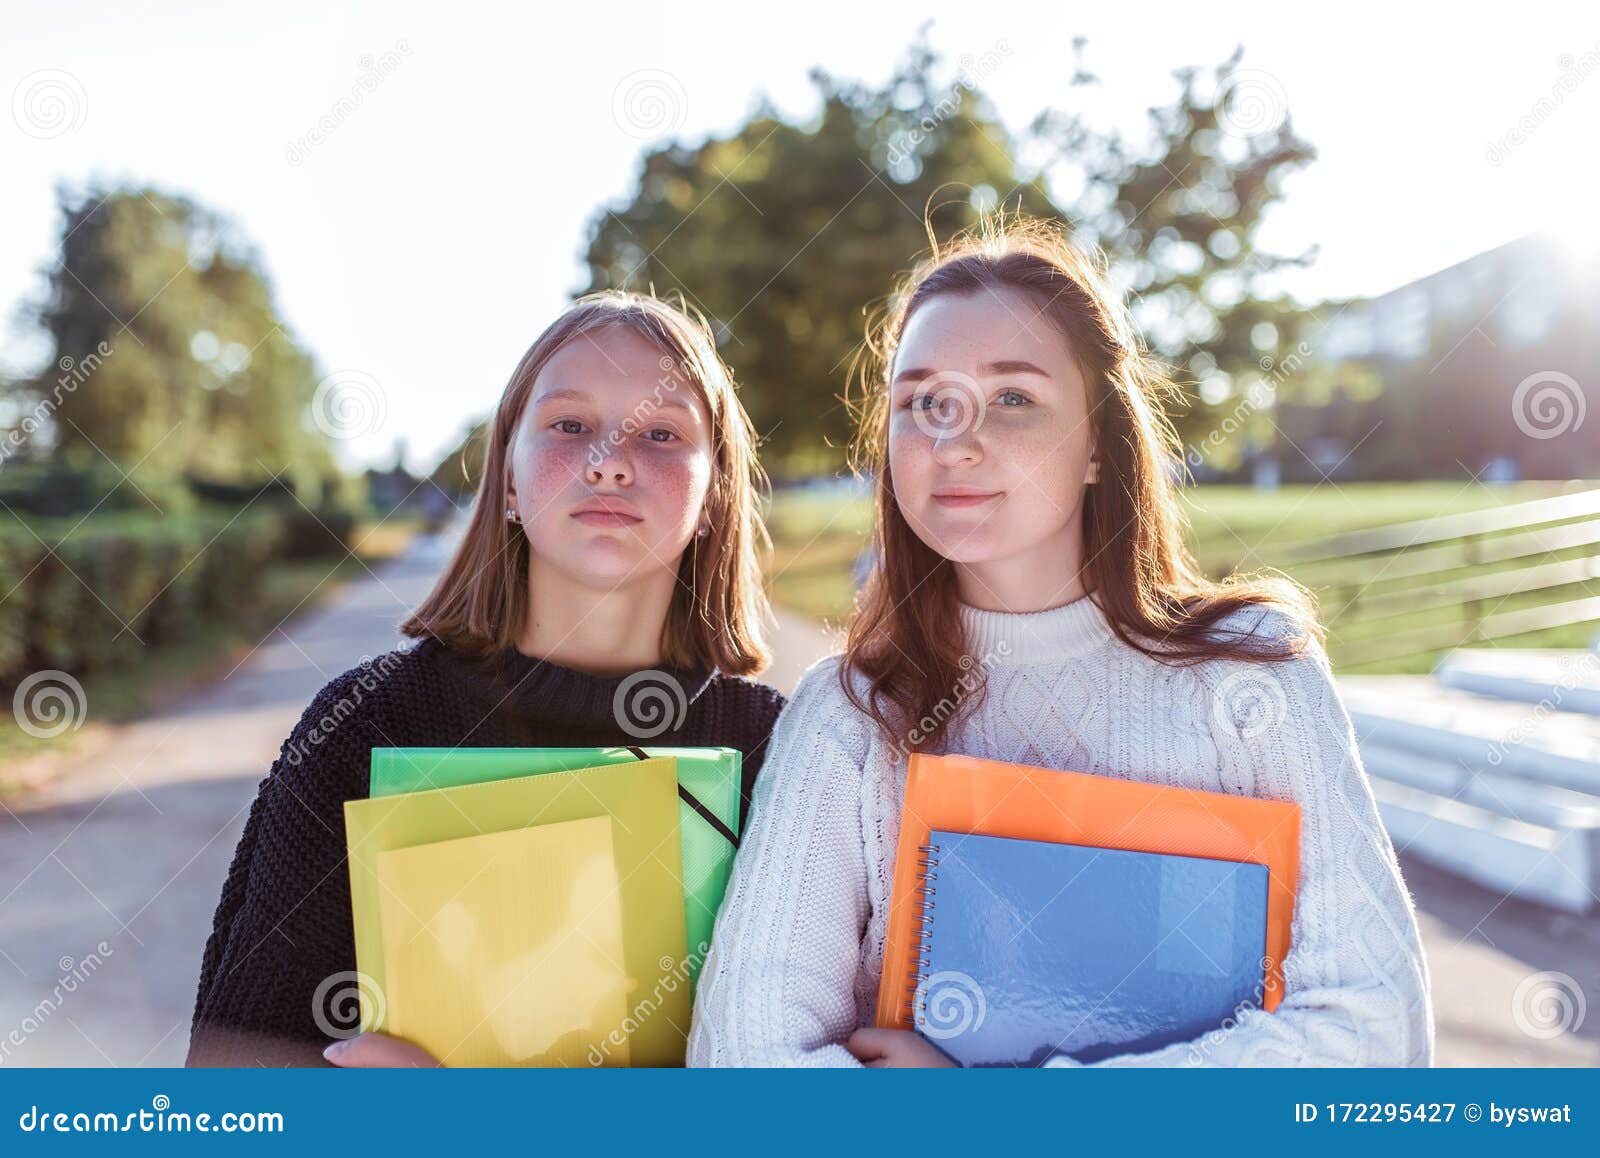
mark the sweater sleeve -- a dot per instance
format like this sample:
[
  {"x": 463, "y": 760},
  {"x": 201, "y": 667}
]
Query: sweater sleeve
[
  {"x": 277, "y": 977},
  {"x": 1356, "y": 984},
  {"x": 778, "y": 984}
]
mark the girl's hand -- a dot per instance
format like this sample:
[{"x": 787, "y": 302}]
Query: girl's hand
[
  {"x": 379, "y": 1051},
  {"x": 895, "y": 1049}
]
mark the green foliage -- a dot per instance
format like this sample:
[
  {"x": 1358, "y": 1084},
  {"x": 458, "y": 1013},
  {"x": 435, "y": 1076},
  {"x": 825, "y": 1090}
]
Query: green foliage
[
  {"x": 169, "y": 354},
  {"x": 1178, "y": 217},
  {"x": 785, "y": 235},
  {"x": 88, "y": 595}
]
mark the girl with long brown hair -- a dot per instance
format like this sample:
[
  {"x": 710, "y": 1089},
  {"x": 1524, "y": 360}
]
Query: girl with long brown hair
[
  {"x": 607, "y": 591},
  {"x": 1033, "y": 601}
]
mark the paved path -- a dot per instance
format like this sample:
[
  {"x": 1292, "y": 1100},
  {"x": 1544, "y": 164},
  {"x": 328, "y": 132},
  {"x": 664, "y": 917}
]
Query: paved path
[{"x": 127, "y": 846}]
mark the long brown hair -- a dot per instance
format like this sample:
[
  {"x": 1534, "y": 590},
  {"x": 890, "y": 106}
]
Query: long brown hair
[
  {"x": 719, "y": 606},
  {"x": 1136, "y": 563}
]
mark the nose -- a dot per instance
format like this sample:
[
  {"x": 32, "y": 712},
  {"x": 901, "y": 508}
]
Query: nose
[
  {"x": 957, "y": 446},
  {"x": 614, "y": 467}
]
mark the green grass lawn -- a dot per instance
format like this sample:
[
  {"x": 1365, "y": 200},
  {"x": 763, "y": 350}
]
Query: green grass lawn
[{"x": 817, "y": 539}]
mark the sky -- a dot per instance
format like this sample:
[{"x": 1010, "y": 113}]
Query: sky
[{"x": 424, "y": 240}]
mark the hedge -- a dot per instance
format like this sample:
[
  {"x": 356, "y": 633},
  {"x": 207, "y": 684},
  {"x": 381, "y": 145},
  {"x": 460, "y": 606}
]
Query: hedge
[{"x": 66, "y": 591}]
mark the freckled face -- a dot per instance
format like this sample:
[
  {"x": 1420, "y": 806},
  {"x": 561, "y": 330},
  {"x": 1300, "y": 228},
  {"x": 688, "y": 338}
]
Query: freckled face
[
  {"x": 990, "y": 445},
  {"x": 612, "y": 460}
]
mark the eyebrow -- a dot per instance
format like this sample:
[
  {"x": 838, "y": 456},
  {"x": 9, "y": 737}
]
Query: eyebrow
[
  {"x": 1008, "y": 366},
  {"x": 568, "y": 395}
]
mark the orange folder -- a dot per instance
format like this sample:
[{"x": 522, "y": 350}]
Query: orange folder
[{"x": 988, "y": 797}]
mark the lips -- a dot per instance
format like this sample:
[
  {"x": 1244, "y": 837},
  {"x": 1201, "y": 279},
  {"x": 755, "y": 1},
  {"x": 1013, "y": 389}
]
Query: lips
[
  {"x": 961, "y": 497},
  {"x": 607, "y": 513}
]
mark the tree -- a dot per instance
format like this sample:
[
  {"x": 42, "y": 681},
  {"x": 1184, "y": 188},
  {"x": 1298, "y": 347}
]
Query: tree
[
  {"x": 1178, "y": 219},
  {"x": 785, "y": 235},
  {"x": 169, "y": 353}
]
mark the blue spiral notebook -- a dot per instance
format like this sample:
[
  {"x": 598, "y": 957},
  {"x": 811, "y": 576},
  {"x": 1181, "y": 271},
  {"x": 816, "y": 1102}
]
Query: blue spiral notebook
[{"x": 1031, "y": 948}]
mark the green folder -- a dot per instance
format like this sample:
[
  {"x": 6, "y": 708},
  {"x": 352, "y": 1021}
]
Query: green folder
[{"x": 709, "y": 806}]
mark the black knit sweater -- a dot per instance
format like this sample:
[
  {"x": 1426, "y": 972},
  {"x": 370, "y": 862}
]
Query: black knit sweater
[{"x": 277, "y": 981}]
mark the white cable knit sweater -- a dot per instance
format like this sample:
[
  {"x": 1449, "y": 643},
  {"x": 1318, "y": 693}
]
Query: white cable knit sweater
[{"x": 798, "y": 951}]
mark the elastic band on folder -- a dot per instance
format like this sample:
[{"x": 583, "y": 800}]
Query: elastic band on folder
[{"x": 693, "y": 802}]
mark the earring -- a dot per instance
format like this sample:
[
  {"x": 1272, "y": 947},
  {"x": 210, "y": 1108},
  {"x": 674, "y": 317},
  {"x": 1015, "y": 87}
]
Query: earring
[
  {"x": 512, "y": 516},
  {"x": 702, "y": 532}
]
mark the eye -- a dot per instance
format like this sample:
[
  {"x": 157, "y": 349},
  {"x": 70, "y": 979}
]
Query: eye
[
  {"x": 916, "y": 400},
  {"x": 563, "y": 424},
  {"x": 1021, "y": 398},
  {"x": 651, "y": 435}
]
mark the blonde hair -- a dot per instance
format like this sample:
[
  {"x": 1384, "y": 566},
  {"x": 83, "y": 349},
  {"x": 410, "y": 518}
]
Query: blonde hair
[{"x": 719, "y": 606}]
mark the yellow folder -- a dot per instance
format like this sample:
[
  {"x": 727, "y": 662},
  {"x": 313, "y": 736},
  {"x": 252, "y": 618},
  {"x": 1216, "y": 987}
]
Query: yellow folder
[
  {"x": 640, "y": 800},
  {"x": 506, "y": 949}
]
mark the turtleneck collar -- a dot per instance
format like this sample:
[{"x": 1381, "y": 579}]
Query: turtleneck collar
[
  {"x": 1003, "y": 637},
  {"x": 542, "y": 689}
]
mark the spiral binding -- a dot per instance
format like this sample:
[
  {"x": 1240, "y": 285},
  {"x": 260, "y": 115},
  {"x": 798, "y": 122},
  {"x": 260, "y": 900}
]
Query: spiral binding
[{"x": 928, "y": 874}]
